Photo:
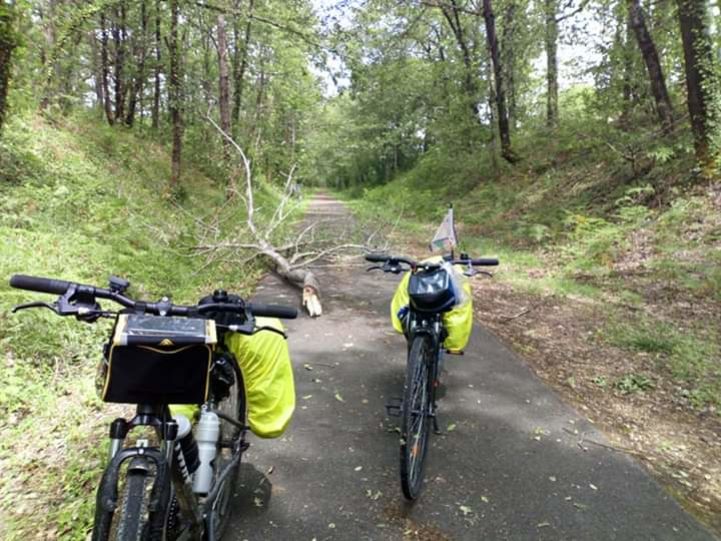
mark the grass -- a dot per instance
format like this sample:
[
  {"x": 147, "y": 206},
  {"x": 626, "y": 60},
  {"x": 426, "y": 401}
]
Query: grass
[
  {"x": 691, "y": 358},
  {"x": 79, "y": 202}
]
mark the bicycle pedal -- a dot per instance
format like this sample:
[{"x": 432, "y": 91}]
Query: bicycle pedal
[{"x": 395, "y": 407}]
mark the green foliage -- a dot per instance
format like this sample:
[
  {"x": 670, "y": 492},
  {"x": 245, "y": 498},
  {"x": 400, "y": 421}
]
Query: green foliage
[
  {"x": 634, "y": 383},
  {"x": 689, "y": 357}
]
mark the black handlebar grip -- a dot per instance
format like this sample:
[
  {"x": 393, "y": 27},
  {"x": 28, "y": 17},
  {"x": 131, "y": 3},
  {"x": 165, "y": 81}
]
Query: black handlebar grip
[
  {"x": 36, "y": 283},
  {"x": 273, "y": 310},
  {"x": 485, "y": 261},
  {"x": 377, "y": 258}
]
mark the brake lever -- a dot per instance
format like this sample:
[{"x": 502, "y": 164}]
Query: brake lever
[
  {"x": 374, "y": 267},
  {"x": 36, "y": 304}
]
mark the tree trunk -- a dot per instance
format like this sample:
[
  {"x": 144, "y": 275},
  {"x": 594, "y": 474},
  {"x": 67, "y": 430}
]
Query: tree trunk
[
  {"x": 8, "y": 43},
  {"x": 97, "y": 70},
  {"x": 175, "y": 95},
  {"x": 551, "y": 63},
  {"x": 509, "y": 59},
  {"x": 700, "y": 80},
  {"x": 470, "y": 86},
  {"x": 140, "y": 75},
  {"x": 104, "y": 62},
  {"x": 119, "y": 32},
  {"x": 664, "y": 108},
  {"x": 158, "y": 64},
  {"x": 240, "y": 62},
  {"x": 503, "y": 129}
]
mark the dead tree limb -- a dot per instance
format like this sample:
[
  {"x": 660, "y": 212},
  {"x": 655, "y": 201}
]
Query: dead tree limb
[{"x": 291, "y": 259}]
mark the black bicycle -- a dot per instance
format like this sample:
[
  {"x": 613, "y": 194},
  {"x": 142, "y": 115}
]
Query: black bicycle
[
  {"x": 175, "y": 481},
  {"x": 431, "y": 294}
]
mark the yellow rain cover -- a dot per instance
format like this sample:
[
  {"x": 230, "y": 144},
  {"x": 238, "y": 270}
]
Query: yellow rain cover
[
  {"x": 268, "y": 376},
  {"x": 458, "y": 321}
]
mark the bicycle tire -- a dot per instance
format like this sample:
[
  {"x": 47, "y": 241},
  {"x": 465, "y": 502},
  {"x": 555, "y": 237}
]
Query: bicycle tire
[
  {"x": 233, "y": 406},
  {"x": 415, "y": 420},
  {"x": 130, "y": 523}
]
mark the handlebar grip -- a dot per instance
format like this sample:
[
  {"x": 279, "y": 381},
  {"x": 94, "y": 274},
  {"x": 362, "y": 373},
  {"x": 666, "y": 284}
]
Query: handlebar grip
[
  {"x": 377, "y": 258},
  {"x": 273, "y": 310},
  {"x": 36, "y": 283},
  {"x": 485, "y": 261}
]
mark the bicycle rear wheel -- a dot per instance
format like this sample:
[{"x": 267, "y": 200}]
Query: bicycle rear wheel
[
  {"x": 232, "y": 438},
  {"x": 415, "y": 422}
]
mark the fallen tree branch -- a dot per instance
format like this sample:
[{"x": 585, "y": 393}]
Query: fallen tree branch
[{"x": 293, "y": 267}]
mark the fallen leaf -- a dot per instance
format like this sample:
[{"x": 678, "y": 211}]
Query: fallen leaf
[
  {"x": 307, "y": 366},
  {"x": 543, "y": 525},
  {"x": 465, "y": 510},
  {"x": 484, "y": 499},
  {"x": 339, "y": 398},
  {"x": 308, "y": 397},
  {"x": 331, "y": 525},
  {"x": 451, "y": 427},
  {"x": 358, "y": 468},
  {"x": 594, "y": 487},
  {"x": 552, "y": 478},
  {"x": 258, "y": 502}
]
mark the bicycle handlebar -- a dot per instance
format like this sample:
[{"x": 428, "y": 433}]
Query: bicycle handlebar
[
  {"x": 41, "y": 285},
  {"x": 164, "y": 307},
  {"x": 478, "y": 262}
]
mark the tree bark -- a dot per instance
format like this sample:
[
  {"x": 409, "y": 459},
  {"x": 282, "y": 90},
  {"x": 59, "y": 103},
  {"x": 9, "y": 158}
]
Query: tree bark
[
  {"x": 551, "y": 35},
  {"x": 119, "y": 34},
  {"x": 470, "y": 85},
  {"x": 649, "y": 53},
  {"x": 158, "y": 63},
  {"x": 700, "y": 79},
  {"x": 240, "y": 62},
  {"x": 509, "y": 59},
  {"x": 8, "y": 43},
  {"x": 492, "y": 39},
  {"x": 175, "y": 96},
  {"x": 104, "y": 62},
  {"x": 139, "y": 79}
]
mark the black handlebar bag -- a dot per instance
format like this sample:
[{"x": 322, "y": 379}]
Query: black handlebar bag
[
  {"x": 431, "y": 290},
  {"x": 155, "y": 360}
]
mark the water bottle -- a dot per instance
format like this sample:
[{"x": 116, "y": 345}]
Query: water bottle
[{"x": 207, "y": 432}]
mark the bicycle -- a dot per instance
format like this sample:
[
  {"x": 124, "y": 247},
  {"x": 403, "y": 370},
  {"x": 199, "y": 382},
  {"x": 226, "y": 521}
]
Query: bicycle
[
  {"x": 431, "y": 294},
  {"x": 177, "y": 481}
]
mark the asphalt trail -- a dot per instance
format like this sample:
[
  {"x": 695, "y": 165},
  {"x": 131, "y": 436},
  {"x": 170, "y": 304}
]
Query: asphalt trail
[{"x": 518, "y": 464}]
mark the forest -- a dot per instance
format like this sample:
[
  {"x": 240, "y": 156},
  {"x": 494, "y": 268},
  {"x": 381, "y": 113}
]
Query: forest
[{"x": 579, "y": 140}]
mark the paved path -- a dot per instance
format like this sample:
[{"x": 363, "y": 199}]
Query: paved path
[{"x": 512, "y": 468}]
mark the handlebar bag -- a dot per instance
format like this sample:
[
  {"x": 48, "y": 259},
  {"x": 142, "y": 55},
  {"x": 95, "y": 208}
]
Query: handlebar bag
[
  {"x": 431, "y": 290},
  {"x": 458, "y": 321},
  {"x": 264, "y": 361},
  {"x": 158, "y": 360}
]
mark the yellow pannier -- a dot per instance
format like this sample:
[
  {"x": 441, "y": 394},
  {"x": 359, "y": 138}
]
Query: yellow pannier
[
  {"x": 458, "y": 321},
  {"x": 268, "y": 377},
  {"x": 264, "y": 361}
]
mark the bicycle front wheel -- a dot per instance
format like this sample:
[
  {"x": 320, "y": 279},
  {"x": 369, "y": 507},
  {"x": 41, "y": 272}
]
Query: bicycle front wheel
[{"x": 415, "y": 422}]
